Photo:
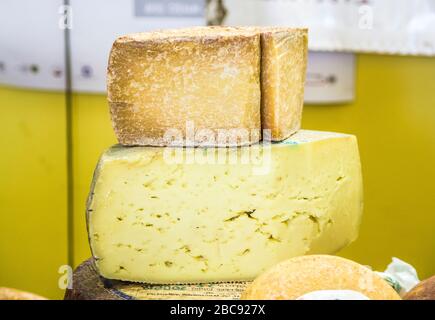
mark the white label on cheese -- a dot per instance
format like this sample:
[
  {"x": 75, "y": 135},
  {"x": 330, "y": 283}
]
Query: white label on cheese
[{"x": 334, "y": 295}]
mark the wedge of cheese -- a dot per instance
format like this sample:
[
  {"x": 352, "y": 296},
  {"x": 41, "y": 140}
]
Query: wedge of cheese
[
  {"x": 212, "y": 86},
  {"x": 197, "y": 86},
  {"x": 177, "y": 215},
  {"x": 283, "y": 70}
]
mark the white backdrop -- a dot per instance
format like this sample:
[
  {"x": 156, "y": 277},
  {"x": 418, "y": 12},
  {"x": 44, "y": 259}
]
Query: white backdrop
[
  {"x": 379, "y": 26},
  {"x": 97, "y": 23},
  {"x": 32, "y": 43}
]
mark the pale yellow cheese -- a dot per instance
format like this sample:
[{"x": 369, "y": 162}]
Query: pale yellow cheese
[
  {"x": 168, "y": 215},
  {"x": 185, "y": 81}
]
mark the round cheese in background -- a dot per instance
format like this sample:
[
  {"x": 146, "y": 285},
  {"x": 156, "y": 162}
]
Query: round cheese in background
[
  {"x": 294, "y": 278},
  {"x": 425, "y": 290},
  {"x": 14, "y": 294}
]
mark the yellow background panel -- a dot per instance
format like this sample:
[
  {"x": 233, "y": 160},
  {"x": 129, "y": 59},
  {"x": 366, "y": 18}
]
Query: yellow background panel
[
  {"x": 93, "y": 134},
  {"x": 33, "y": 205},
  {"x": 394, "y": 119}
]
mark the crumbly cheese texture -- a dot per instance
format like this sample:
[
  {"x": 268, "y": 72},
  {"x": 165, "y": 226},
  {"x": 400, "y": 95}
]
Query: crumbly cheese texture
[
  {"x": 161, "y": 84},
  {"x": 240, "y": 80},
  {"x": 283, "y": 70},
  {"x": 176, "y": 215}
]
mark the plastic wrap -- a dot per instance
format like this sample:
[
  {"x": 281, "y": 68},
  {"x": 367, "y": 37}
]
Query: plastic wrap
[{"x": 401, "y": 276}]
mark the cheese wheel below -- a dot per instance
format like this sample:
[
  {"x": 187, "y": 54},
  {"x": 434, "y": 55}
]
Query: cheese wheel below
[
  {"x": 294, "y": 278},
  {"x": 197, "y": 215},
  {"x": 14, "y": 294}
]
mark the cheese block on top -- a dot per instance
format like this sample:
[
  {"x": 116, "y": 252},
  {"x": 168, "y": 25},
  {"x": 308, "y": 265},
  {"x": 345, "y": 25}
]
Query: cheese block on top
[
  {"x": 183, "y": 87},
  {"x": 187, "y": 215},
  {"x": 283, "y": 70},
  {"x": 207, "y": 85}
]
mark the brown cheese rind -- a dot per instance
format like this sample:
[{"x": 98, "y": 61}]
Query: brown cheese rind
[
  {"x": 205, "y": 78},
  {"x": 89, "y": 285},
  {"x": 14, "y": 294},
  {"x": 296, "y": 277},
  {"x": 425, "y": 290}
]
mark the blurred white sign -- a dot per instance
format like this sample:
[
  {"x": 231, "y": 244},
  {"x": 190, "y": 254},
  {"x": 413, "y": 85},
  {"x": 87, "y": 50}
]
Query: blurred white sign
[
  {"x": 32, "y": 44},
  {"x": 98, "y": 23},
  {"x": 330, "y": 78},
  {"x": 380, "y": 26},
  {"x": 32, "y": 37}
]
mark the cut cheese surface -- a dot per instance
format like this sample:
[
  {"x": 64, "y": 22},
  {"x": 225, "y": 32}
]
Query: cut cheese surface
[
  {"x": 179, "y": 82},
  {"x": 186, "y": 86},
  {"x": 177, "y": 215},
  {"x": 283, "y": 70}
]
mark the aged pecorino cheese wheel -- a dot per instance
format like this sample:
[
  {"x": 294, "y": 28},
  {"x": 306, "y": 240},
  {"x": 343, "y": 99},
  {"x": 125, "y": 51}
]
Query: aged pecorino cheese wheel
[
  {"x": 307, "y": 276},
  {"x": 14, "y": 294},
  {"x": 215, "y": 86},
  {"x": 153, "y": 220},
  {"x": 425, "y": 290}
]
